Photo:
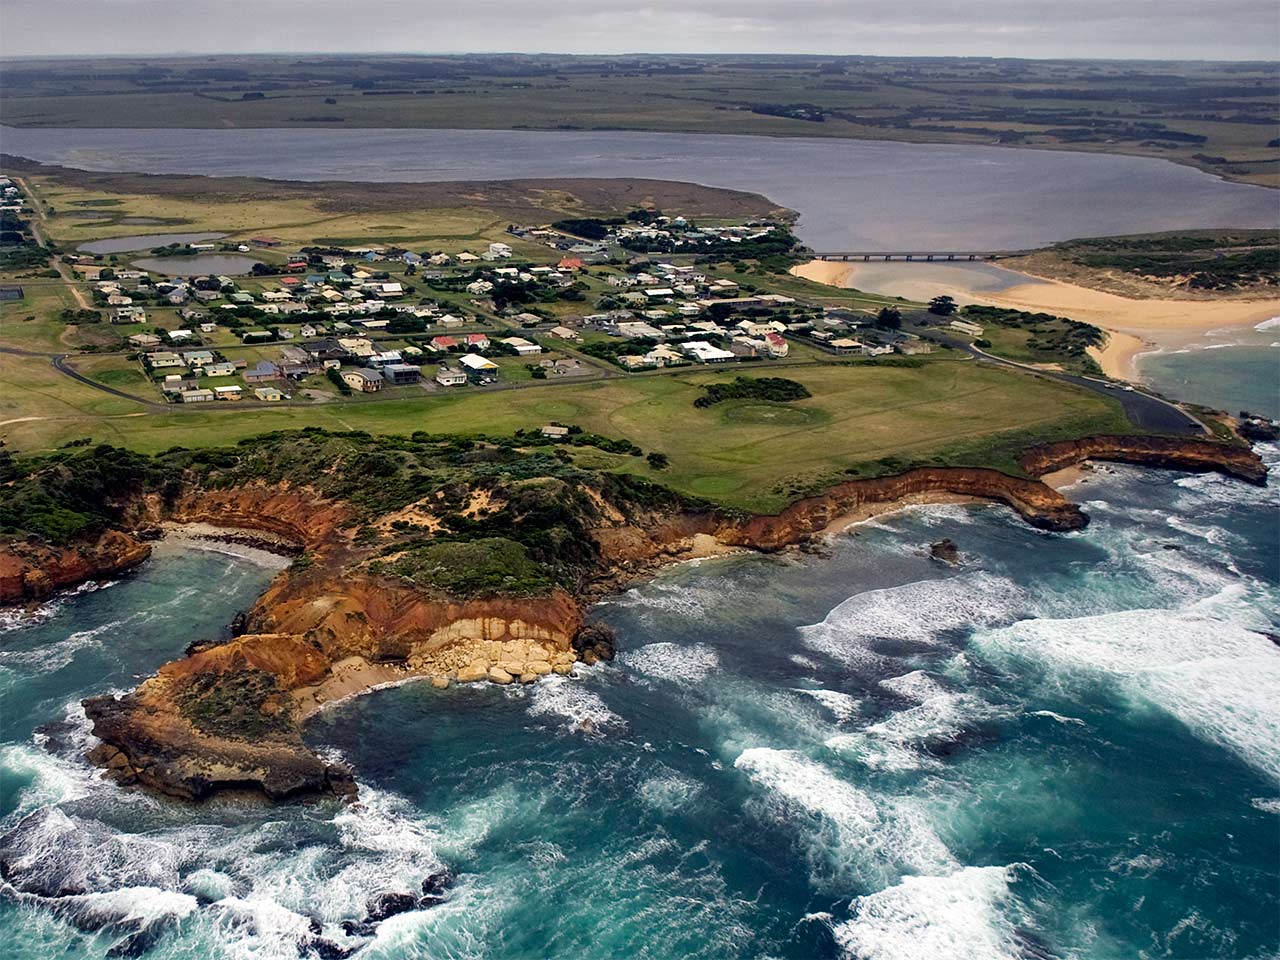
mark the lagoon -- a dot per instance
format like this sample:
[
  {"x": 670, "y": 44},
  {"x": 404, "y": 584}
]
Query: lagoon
[{"x": 851, "y": 194}]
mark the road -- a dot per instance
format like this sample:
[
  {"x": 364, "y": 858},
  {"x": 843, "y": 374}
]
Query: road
[
  {"x": 1146, "y": 411},
  {"x": 42, "y": 237}
]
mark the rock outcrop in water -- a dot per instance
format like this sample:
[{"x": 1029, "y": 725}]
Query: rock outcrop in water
[{"x": 434, "y": 587}]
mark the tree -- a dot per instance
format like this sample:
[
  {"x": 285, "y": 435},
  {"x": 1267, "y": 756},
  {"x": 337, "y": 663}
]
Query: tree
[
  {"x": 943, "y": 306},
  {"x": 657, "y": 460},
  {"x": 889, "y": 317}
]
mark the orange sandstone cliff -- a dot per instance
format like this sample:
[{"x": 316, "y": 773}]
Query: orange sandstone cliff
[{"x": 229, "y": 715}]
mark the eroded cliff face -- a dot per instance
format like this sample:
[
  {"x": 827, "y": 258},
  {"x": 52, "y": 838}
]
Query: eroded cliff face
[
  {"x": 230, "y": 714},
  {"x": 1174, "y": 453},
  {"x": 32, "y": 571}
]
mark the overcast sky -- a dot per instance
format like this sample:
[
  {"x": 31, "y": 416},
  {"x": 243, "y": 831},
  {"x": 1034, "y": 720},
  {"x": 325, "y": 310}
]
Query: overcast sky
[{"x": 1183, "y": 29}]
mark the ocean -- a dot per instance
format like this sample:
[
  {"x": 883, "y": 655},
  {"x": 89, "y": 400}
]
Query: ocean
[
  {"x": 1066, "y": 746},
  {"x": 1229, "y": 369}
]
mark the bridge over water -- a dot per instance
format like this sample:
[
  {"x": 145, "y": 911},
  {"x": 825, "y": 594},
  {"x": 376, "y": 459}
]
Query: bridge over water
[{"x": 922, "y": 256}]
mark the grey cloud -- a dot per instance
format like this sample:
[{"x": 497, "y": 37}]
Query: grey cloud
[{"x": 1183, "y": 29}]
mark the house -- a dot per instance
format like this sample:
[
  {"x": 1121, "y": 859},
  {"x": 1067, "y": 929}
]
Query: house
[
  {"x": 449, "y": 320},
  {"x": 228, "y": 392},
  {"x": 198, "y": 358},
  {"x": 224, "y": 369},
  {"x": 845, "y": 345},
  {"x": 467, "y": 257},
  {"x": 443, "y": 343},
  {"x": 639, "y": 330},
  {"x": 521, "y": 346},
  {"x": 477, "y": 340},
  {"x": 208, "y": 327},
  {"x": 564, "y": 333},
  {"x": 571, "y": 263},
  {"x": 144, "y": 340},
  {"x": 479, "y": 288},
  {"x": 262, "y": 372},
  {"x": 401, "y": 374},
  {"x": 449, "y": 377},
  {"x": 704, "y": 352},
  {"x": 555, "y": 432},
  {"x": 366, "y": 381},
  {"x": 268, "y": 394},
  {"x": 383, "y": 358},
  {"x": 163, "y": 359},
  {"x": 478, "y": 368},
  {"x": 775, "y": 345},
  {"x": 197, "y": 396},
  {"x": 129, "y": 315},
  {"x": 357, "y": 346},
  {"x": 964, "y": 326},
  {"x": 265, "y": 241},
  {"x": 498, "y": 251},
  {"x": 256, "y": 336}
]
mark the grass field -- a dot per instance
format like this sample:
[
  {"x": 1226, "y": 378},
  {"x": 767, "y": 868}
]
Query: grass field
[
  {"x": 752, "y": 455},
  {"x": 1219, "y": 117},
  {"x": 862, "y": 418}
]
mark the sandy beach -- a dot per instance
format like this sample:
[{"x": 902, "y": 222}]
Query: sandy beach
[{"x": 1134, "y": 326}]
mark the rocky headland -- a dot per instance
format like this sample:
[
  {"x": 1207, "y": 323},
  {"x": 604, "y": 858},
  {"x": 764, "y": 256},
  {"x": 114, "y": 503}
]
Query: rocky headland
[{"x": 481, "y": 576}]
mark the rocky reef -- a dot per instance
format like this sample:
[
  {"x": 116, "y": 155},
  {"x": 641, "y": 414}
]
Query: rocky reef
[{"x": 478, "y": 576}]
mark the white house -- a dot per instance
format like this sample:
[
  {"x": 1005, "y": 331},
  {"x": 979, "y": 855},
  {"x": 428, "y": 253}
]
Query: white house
[
  {"x": 704, "y": 352},
  {"x": 521, "y": 346}
]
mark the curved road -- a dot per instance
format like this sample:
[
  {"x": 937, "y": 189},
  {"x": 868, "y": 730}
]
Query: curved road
[{"x": 1146, "y": 411}]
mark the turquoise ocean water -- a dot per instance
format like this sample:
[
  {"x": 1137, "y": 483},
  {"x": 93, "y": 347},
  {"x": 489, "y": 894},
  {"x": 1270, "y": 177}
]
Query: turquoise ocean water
[{"x": 1066, "y": 747}]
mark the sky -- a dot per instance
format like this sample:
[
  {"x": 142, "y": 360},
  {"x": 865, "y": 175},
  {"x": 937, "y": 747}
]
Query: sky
[{"x": 1142, "y": 29}]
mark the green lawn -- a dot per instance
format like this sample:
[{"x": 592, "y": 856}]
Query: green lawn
[{"x": 750, "y": 455}]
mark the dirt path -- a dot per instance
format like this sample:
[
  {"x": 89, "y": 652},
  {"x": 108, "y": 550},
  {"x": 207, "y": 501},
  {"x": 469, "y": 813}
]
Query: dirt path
[{"x": 38, "y": 227}]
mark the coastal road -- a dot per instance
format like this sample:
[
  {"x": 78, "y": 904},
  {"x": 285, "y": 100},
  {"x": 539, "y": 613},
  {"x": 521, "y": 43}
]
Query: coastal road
[{"x": 1146, "y": 411}]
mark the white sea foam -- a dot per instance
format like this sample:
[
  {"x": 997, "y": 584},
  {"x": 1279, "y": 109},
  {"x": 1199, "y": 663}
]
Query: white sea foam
[
  {"x": 897, "y": 742},
  {"x": 849, "y": 837},
  {"x": 1271, "y": 324},
  {"x": 1266, "y": 804},
  {"x": 916, "y": 685},
  {"x": 962, "y": 916},
  {"x": 670, "y": 792},
  {"x": 842, "y": 706},
  {"x": 676, "y": 662},
  {"x": 917, "y": 612},
  {"x": 1217, "y": 677},
  {"x": 1059, "y": 718},
  {"x": 571, "y": 701},
  {"x": 54, "y": 656}
]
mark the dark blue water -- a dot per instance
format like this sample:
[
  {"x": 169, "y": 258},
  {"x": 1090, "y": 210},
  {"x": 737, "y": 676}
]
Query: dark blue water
[{"x": 1065, "y": 747}]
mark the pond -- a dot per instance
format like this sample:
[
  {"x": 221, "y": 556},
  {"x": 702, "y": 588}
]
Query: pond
[
  {"x": 201, "y": 265},
  {"x": 148, "y": 241}
]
